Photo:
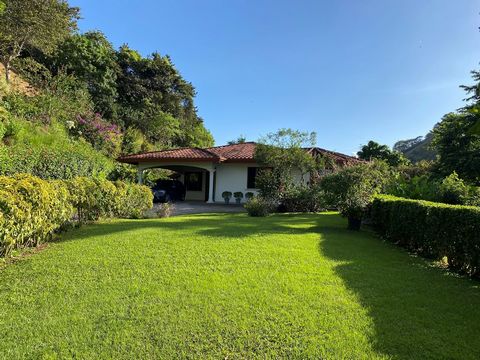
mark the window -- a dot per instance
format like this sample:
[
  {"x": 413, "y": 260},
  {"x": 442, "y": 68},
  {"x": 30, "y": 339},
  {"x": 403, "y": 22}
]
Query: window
[
  {"x": 193, "y": 181},
  {"x": 251, "y": 177}
]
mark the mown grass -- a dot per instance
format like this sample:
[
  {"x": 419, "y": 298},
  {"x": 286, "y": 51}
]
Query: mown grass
[{"x": 230, "y": 286}]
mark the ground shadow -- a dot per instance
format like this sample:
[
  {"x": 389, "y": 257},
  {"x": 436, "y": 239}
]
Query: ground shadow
[
  {"x": 212, "y": 225},
  {"x": 419, "y": 311}
]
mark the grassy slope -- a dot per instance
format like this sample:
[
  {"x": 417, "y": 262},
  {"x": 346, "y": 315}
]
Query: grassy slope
[{"x": 229, "y": 286}]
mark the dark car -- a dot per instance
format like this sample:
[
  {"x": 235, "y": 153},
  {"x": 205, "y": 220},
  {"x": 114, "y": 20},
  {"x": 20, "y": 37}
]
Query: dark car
[{"x": 168, "y": 190}]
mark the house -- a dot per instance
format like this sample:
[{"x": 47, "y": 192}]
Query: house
[{"x": 207, "y": 173}]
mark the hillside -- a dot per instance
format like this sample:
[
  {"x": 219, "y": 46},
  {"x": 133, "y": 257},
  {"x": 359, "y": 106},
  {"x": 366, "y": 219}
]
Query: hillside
[
  {"x": 17, "y": 83},
  {"x": 416, "y": 149}
]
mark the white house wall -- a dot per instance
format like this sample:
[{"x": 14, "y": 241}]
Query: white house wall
[{"x": 233, "y": 178}]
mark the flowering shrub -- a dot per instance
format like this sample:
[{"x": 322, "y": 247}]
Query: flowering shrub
[{"x": 103, "y": 136}]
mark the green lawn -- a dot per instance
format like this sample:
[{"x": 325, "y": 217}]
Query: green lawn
[{"x": 230, "y": 286}]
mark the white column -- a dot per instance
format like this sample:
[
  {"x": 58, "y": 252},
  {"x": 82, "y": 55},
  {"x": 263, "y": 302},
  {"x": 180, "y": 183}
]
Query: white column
[
  {"x": 210, "y": 187},
  {"x": 140, "y": 175}
]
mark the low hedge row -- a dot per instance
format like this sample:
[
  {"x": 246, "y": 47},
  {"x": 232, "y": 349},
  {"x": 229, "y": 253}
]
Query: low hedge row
[
  {"x": 32, "y": 209},
  {"x": 433, "y": 230}
]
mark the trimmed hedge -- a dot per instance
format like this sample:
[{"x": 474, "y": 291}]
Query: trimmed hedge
[
  {"x": 433, "y": 230},
  {"x": 32, "y": 209}
]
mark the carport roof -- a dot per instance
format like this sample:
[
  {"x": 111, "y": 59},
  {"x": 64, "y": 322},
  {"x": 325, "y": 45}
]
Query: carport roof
[{"x": 228, "y": 153}]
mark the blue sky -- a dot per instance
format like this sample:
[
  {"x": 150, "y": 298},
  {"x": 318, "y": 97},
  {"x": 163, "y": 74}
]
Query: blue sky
[{"x": 350, "y": 70}]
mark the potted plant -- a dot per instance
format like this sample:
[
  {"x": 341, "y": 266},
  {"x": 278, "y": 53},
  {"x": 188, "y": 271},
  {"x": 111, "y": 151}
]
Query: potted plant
[
  {"x": 249, "y": 195},
  {"x": 238, "y": 196},
  {"x": 226, "y": 196}
]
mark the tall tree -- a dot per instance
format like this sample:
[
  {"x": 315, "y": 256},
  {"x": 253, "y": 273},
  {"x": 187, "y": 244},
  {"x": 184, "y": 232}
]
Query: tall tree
[
  {"x": 92, "y": 59},
  {"x": 457, "y": 146},
  {"x": 374, "y": 150},
  {"x": 279, "y": 154},
  {"x": 40, "y": 24},
  {"x": 152, "y": 91}
]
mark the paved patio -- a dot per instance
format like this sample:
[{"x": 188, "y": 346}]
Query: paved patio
[{"x": 200, "y": 207}]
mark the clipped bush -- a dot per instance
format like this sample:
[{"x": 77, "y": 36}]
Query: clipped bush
[
  {"x": 433, "y": 230},
  {"x": 31, "y": 210},
  {"x": 258, "y": 207},
  {"x": 92, "y": 198},
  {"x": 132, "y": 200}
]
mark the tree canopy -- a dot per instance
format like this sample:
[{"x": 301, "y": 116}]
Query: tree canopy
[
  {"x": 40, "y": 24},
  {"x": 457, "y": 146},
  {"x": 374, "y": 150}
]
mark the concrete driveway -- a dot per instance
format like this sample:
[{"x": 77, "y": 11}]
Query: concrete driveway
[{"x": 200, "y": 207}]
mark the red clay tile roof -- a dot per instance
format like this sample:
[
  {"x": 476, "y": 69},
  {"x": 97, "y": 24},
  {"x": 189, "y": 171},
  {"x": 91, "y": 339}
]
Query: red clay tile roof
[
  {"x": 185, "y": 154},
  {"x": 339, "y": 158},
  {"x": 228, "y": 153},
  {"x": 237, "y": 152}
]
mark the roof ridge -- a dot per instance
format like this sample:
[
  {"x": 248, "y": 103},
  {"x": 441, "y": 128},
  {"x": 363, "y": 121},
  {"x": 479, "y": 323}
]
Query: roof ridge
[
  {"x": 226, "y": 145},
  {"x": 157, "y": 151},
  {"x": 208, "y": 152}
]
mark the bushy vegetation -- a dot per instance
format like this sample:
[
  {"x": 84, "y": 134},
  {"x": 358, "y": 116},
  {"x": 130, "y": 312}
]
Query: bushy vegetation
[
  {"x": 434, "y": 230},
  {"x": 258, "y": 206},
  {"x": 352, "y": 189},
  {"x": 90, "y": 102},
  {"x": 32, "y": 209},
  {"x": 421, "y": 183},
  {"x": 303, "y": 198}
]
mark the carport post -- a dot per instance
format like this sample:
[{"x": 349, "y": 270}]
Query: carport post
[
  {"x": 140, "y": 175},
  {"x": 210, "y": 187}
]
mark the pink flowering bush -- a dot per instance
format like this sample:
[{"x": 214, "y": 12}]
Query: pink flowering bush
[{"x": 103, "y": 136}]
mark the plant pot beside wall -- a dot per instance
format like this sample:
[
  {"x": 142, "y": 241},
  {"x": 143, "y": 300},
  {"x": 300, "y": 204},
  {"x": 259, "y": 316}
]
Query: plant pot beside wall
[
  {"x": 226, "y": 196},
  {"x": 238, "y": 197}
]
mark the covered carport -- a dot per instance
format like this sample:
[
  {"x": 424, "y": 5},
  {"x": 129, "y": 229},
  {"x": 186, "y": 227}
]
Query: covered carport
[{"x": 196, "y": 168}]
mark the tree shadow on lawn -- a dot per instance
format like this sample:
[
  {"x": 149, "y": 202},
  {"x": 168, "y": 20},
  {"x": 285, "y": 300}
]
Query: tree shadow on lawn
[
  {"x": 419, "y": 311},
  {"x": 208, "y": 225}
]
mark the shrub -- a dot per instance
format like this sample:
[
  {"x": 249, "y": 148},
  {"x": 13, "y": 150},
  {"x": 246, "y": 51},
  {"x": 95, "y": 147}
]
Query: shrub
[
  {"x": 102, "y": 135},
  {"x": 92, "y": 198},
  {"x": 352, "y": 189},
  {"x": 31, "y": 209},
  {"x": 62, "y": 161},
  {"x": 303, "y": 199},
  {"x": 432, "y": 230},
  {"x": 453, "y": 190},
  {"x": 165, "y": 210},
  {"x": 420, "y": 187},
  {"x": 258, "y": 206},
  {"x": 132, "y": 200}
]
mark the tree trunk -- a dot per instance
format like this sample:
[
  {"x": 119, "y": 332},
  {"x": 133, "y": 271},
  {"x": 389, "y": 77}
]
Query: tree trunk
[{"x": 7, "y": 71}]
